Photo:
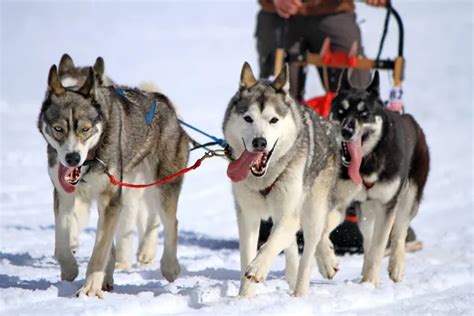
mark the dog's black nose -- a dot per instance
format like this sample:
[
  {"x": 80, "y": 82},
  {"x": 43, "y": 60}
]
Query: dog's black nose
[
  {"x": 348, "y": 129},
  {"x": 259, "y": 143},
  {"x": 73, "y": 159},
  {"x": 347, "y": 133}
]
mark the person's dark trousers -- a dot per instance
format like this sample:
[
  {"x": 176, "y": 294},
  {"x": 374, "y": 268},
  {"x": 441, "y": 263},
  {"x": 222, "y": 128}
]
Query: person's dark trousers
[{"x": 301, "y": 33}]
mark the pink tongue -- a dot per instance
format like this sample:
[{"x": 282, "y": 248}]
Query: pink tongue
[
  {"x": 355, "y": 150},
  {"x": 62, "y": 172},
  {"x": 238, "y": 169}
]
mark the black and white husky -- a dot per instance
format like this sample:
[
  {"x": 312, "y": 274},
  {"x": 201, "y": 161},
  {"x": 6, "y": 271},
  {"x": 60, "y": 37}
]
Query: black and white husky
[{"x": 385, "y": 164}]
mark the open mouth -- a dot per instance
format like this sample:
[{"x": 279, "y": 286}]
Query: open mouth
[
  {"x": 346, "y": 157},
  {"x": 345, "y": 154},
  {"x": 69, "y": 177},
  {"x": 260, "y": 164},
  {"x": 255, "y": 162}
]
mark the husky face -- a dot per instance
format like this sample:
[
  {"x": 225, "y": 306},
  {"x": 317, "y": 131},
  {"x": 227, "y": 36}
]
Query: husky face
[
  {"x": 72, "y": 76},
  {"x": 71, "y": 122},
  {"x": 358, "y": 112},
  {"x": 259, "y": 121}
]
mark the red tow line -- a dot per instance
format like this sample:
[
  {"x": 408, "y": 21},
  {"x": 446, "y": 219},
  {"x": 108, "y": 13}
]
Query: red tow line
[{"x": 196, "y": 165}]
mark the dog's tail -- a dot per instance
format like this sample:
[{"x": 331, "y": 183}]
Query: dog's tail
[{"x": 149, "y": 86}]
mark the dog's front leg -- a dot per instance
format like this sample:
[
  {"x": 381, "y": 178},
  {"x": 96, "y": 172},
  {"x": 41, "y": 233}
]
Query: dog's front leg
[
  {"x": 286, "y": 203},
  {"x": 108, "y": 218},
  {"x": 325, "y": 255},
  {"x": 384, "y": 218},
  {"x": 406, "y": 210},
  {"x": 248, "y": 220},
  {"x": 249, "y": 223},
  {"x": 365, "y": 221},
  {"x": 64, "y": 230}
]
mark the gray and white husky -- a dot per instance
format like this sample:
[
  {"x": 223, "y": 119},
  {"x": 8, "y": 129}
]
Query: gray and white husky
[
  {"x": 141, "y": 219},
  {"x": 286, "y": 163},
  {"x": 137, "y": 136},
  {"x": 385, "y": 164}
]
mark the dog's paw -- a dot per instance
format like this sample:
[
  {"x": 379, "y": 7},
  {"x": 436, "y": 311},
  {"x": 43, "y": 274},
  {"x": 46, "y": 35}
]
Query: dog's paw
[
  {"x": 370, "y": 278},
  {"x": 170, "y": 268},
  {"x": 108, "y": 283},
  {"x": 247, "y": 289},
  {"x": 145, "y": 258},
  {"x": 328, "y": 265},
  {"x": 300, "y": 292},
  {"x": 396, "y": 270},
  {"x": 69, "y": 271},
  {"x": 92, "y": 286},
  {"x": 123, "y": 266},
  {"x": 257, "y": 270}
]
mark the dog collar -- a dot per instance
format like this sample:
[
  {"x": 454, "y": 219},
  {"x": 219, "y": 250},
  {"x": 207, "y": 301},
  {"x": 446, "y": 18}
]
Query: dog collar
[
  {"x": 368, "y": 184},
  {"x": 265, "y": 192}
]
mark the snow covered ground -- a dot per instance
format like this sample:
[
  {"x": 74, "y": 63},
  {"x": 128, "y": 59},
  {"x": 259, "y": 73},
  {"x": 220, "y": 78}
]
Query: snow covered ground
[{"x": 193, "y": 51}]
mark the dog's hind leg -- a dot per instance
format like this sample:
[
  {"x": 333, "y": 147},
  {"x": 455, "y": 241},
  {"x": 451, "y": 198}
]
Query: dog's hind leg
[
  {"x": 169, "y": 194},
  {"x": 384, "y": 218},
  {"x": 142, "y": 217},
  {"x": 148, "y": 219},
  {"x": 291, "y": 264},
  {"x": 65, "y": 220},
  {"x": 406, "y": 209},
  {"x": 124, "y": 234},
  {"x": 314, "y": 219}
]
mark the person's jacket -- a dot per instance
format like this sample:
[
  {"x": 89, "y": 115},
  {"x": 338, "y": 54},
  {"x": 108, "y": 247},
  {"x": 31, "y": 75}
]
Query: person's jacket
[{"x": 315, "y": 7}]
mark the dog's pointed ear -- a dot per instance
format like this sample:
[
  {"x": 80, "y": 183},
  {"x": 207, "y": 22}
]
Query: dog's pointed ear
[
  {"x": 53, "y": 81},
  {"x": 99, "y": 67},
  {"x": 282, "y": 81},
  {"x": 374, "y": 86},
  {"x": 89, "y": 85},
  {"x": 247, "y": 79},
  {"x": 344, "y": 81},
  {"x": 65, "y": 64}
]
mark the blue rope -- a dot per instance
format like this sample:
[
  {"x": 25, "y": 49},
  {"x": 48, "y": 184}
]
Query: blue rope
[{"x": 221, "y": 142}]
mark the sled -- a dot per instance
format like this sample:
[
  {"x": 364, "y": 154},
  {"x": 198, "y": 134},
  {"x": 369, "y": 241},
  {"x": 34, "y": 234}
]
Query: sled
[{"x": 347, "y": 60}]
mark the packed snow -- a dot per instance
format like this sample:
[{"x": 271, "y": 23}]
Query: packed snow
[{"x": 194, "y": 51}]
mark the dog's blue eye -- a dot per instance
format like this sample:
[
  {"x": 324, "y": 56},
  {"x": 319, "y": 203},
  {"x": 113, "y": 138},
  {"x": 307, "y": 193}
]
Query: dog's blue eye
[
  {"x": 58, "y": 129},
  {"x": 248, "y": 119},
  {"x": 86, "y": 129},
  {"x": 273, "y": 120}
]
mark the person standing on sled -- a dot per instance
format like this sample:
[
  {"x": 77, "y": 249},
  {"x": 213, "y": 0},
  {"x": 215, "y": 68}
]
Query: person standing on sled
[{"x": 299, "y": 26}]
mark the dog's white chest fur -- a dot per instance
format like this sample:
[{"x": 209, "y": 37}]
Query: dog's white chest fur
[{"x": 382, "y": 191}]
